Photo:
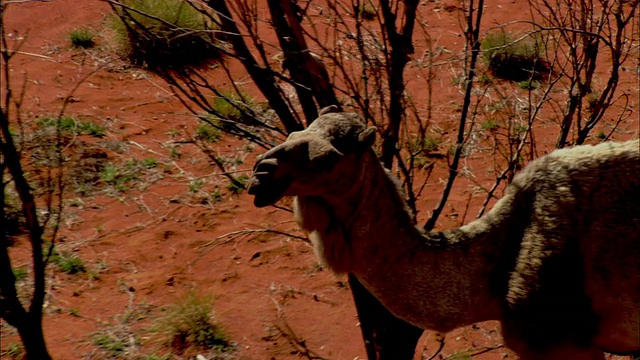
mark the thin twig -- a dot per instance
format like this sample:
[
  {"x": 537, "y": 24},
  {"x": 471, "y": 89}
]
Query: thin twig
[
  {"x": 231, "y": 236},
  {"x": 287, "y": 332}
]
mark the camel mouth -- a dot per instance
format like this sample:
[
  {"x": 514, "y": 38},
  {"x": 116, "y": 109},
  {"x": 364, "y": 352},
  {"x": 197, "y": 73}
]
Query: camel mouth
[
  {"x": 265, "y": 193},
  {"x": 264, "y": 187}
]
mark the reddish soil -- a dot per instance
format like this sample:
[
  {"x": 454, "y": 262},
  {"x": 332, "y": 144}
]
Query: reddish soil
[{"x": 152, "y": 244}]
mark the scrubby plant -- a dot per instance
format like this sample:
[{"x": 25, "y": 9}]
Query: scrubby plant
[
  {"x": 164, "y": 33},
  {"x": 510, "y": 58},
  {"x": 82, "y": 37}
]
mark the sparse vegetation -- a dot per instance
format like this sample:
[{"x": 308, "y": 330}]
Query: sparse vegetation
[
  {"x": 207, "y": 133},
  {"x": 121, "y": 177},
  {"x": 490, "y": 125},
  {"x": 120, "y": 339},
  {"x": 510, "y": 58},
  {"x": 236, "y": 187},
  {"x": 195, "y": 185},
  {"x": 175, "y": 33},
  {"x": 426, "y": 145},
  {"x": 82, "y": 37},
  {"x": 67, "y": 262},
  {"x": 189, "y": 324},
  {"x": 216, "y": 196},
  {"x": 149, "y": 163},
  {"x": 174, "y": 153},
  {"x": 72, "y": 126},
  {"x": 110, "y": 341}
]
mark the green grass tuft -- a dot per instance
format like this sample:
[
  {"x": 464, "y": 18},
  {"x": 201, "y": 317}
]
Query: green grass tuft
[
  {"x": 82, "y": 38},
  {"x": 107, "y": 341},
  {"x": 189, "y": 324},
  {"x": 183, "y": 36}
]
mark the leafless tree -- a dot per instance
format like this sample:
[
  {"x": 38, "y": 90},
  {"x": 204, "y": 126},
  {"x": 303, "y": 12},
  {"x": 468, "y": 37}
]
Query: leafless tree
[
  {"x": 28, "y": 321},
  {"x": 580, "y": 35}
]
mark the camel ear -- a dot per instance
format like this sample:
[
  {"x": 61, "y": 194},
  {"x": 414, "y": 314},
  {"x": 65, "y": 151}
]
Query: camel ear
[
  {"x": 329, "y": 109},
  {"x": 367, "y": 138}
]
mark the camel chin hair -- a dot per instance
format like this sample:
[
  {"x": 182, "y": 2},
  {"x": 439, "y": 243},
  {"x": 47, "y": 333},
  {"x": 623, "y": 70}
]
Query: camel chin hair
[{"x": 325, "y": 233}]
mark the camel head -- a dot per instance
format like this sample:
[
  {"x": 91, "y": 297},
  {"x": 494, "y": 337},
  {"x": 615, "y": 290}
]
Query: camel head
[{"x": 321, "y": 160}]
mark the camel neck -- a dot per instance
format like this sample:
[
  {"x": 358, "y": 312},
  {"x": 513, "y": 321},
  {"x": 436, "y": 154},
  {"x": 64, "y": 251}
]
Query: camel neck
[{"x": 412, "y": 273}]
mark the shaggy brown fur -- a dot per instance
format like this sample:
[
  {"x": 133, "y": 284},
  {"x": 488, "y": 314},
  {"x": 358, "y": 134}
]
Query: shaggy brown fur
[{"x": 557, "y": 260}]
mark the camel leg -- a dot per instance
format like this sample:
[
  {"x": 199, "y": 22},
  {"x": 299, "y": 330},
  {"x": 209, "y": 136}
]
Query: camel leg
[{"x": 385, "y": 336}]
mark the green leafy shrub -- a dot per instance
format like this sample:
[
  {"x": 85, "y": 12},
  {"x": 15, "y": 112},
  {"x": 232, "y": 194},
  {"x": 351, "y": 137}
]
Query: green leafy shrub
[
  {"x": 82, "y": 37},
  {"x": 175, "y": 33},
  {"x": 514, "y": 60}
]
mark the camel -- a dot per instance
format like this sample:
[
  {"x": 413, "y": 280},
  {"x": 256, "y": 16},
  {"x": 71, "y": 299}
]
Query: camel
[{"x": 556, "y": 260}]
